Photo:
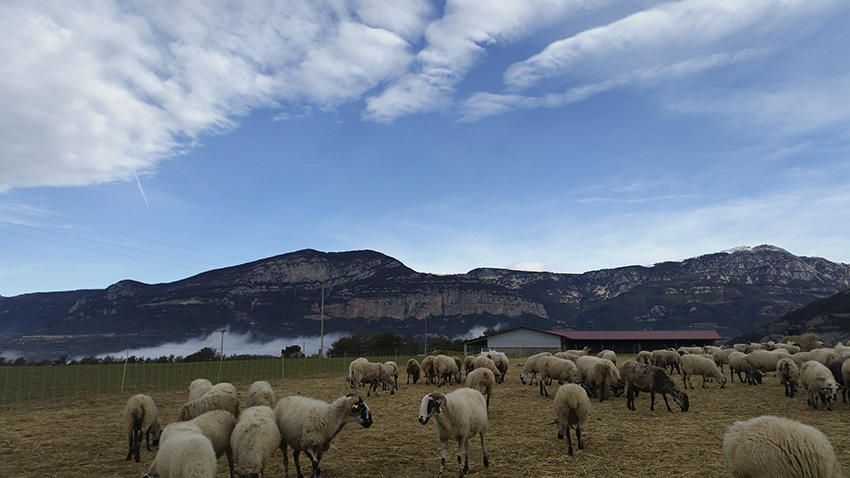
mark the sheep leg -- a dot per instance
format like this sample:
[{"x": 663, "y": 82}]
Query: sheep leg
[
  {"x": 130, "y": 445},
  {"x": 137, "y": 445},
  {"x": 484, "y": 450},
  {"x": 685, "y": 380},
  {"x": 148, "y": 440},
  {"x": 578, "y": 437},
  {"x": 703, "y": 381},
  {"x": 283, "y": 448},
  {"x": 569, "y": 442},
  {"x": 666, "y": 402},
  {"x": 314, "y": 462},
  {"x": 229, "y": 452},
  {"x": 444, "y": 445},
  {"x": 630, "y": 398},
  {"x": 296, "y": 457},
  {"x": 652, "y": 400},
  {"x": 460, "y": 458},
  {"x": 543, "y": 391}
]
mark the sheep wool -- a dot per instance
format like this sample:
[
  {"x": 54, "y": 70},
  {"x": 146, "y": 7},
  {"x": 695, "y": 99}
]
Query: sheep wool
[
  {"x": 198, "y": 388},
  {"x": 484, "y": 381},
  {"x": 254, "y": 440},
  {"x": 141, "y": 418},
  {"x": 185, "y": 453},
  {"x": 261, "y": 393},
  {"x": 460, "y": 415},
  {"x": 572, "y": 407}
]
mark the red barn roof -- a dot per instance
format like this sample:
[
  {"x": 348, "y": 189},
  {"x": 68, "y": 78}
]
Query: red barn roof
[{"x": 637, "y": 334}]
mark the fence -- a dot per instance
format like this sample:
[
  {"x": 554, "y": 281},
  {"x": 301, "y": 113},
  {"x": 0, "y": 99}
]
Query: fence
[{"x": 68, "y": 382}]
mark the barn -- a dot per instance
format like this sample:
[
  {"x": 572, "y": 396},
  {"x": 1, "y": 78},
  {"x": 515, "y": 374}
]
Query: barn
[{"x": 522, "y": 341}]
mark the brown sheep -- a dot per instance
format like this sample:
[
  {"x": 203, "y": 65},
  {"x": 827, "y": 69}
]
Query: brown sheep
[{"x": 641, "y": 377}]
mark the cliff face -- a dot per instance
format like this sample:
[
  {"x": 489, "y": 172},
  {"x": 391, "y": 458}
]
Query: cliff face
[{"x": 735, "y": 292}]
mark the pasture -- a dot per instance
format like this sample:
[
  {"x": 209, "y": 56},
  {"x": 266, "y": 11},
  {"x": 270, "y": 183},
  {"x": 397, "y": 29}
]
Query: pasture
[{"x": 83, "y": 436}]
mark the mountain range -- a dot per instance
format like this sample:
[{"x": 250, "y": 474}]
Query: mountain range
[{"x": 736, "y": 291}]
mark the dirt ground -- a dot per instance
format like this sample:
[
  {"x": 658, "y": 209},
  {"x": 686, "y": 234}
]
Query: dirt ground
[{"x": 85, "y": 438}]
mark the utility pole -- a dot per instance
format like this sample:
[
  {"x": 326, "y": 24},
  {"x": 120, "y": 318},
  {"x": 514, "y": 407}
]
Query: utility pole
[
  {"x": 221, "y": 356},
  {"x": 322, "y": 329}
]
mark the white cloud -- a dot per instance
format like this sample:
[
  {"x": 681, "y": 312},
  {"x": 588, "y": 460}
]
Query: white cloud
[
  {"x": 457, "y": 41},
  {"x": 93, "y": 91},
  {"x": 672, "y": 31},
  {"x": 531, "y": 266}
]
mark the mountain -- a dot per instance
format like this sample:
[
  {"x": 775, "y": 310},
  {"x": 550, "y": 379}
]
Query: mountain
[
  {"x": 829, "y": 317},
  {"x": 734, "y": 291}
]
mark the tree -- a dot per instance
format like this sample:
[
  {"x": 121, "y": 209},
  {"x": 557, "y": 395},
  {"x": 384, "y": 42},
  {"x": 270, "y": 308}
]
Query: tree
[
  {"x": 206, "y": 354},
  {"x": 292, "y": 351},
  {"x": 347, "y": 346}
]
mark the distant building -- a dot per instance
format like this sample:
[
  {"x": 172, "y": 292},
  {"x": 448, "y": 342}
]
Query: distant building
[{"x": 526, "y": 340}]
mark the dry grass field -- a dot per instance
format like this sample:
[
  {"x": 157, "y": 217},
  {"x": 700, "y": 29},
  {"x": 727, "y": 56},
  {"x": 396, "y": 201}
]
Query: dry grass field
[{"x": 84, "y": 438}]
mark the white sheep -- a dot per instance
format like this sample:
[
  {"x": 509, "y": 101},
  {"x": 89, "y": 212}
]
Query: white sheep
[
  {"x": 198, "y": 388},
  {"x": 800, "y": 357},
  {"x": 555, "y": 368},
  {"x": 393, "y": 371},
  {"x": 825, "y": 356},
  {"x": 261, "y": 393},
  {"x": 141, "y": 417},
  {"x": 694, "y": 364},
  {"x": 845, "y": 375},
  {"x": 789, "y": 375},
  {"x": 530, "y": 367},
  {"x": 428, "y": 368},
  {"x": 764, "y": 360},
  {"x": 185, "y": 453},
  {"x": 608, "y": 354},
  {"x": 217, "y": 426},
  {"x": 308, "y": 425},
  {"x": 460, "y": 415},
  {"x": 791, "y": 348},
  {"x": 502, "y": 364},
  {"x": 600, "y": 374},
  {"x": 738, "y": 364},
  {"x": 414, "y": 371},
  {"x": 572, "y": 407},
  {"x": 690, "y": 350},
  {"x": 355, "y": 372},
  {"x": 667, "y": 358},
  {"x": 778, "y": 447},
  {"x": 580, "y": 352},
  {"x": 445, "y": 369},
  {"x": 644, "y": 357},
  {"x": 212, "y": 400},
  {"x": 483, "y": 380},
  {"x": 374, "y": 374},
  {"x": 222, "y": 387},
  {"x": 486, "y": 362},
  {"x": 254, "y": 440},
  {"x": 569, "y": 355},
  {"x": 819, "y": 382},
  {"x": 721, "y": 357}
]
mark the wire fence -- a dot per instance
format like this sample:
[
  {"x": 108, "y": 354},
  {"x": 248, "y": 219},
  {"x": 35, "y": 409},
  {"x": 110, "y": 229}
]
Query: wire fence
[{"x": 78, "y": 381}]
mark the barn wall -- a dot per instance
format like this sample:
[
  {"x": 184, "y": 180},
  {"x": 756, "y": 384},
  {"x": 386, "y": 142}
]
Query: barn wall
[{"x": 524, "y": 339}]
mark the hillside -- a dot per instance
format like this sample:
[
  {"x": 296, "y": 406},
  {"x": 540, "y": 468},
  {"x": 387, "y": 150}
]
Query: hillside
[{"x": 736, "y": 292}]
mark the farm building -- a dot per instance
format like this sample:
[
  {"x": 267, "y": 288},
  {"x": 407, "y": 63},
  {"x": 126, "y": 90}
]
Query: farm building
[{"x": 526, "y": 341}]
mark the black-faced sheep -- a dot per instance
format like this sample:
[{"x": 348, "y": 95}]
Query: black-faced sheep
[
  {"x": 254, "y": 440},
  {"x": 460, "y": 415},
  {"x": 773, "y": 446},
  {"x": 641, "y": 377},
  {"x": 309, "y": 425},
  {"x": 483, "y": 380},
  {"x": 141, "y": 418},
  {"x": 789, "y": 375},
  {"x": 572, "y": 407},
  {"x": 819, "y": 382},
  {"x": 414, "y": 371}
]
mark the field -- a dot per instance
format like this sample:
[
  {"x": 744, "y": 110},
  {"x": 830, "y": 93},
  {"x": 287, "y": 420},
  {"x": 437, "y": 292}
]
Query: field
[{"x": 83, "y": 436}]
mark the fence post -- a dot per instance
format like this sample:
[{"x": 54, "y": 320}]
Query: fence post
[
  {"x": 124, "y": 373},
  {"x": 282, "y": 366}
]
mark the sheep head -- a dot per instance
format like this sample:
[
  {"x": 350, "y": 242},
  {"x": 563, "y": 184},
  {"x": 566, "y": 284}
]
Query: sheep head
[
  {"x": 431, "y": 404},
  {"x": 358, "y": 410}
]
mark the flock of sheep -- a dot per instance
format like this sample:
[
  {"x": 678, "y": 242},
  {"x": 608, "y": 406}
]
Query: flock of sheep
[{"x": 210, "y": 423}]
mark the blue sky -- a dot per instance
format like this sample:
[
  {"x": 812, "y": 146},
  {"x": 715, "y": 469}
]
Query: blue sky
[{"x": 539, "y": 135}]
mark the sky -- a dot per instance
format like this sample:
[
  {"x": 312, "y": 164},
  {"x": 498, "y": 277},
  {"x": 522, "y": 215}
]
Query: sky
[{"x": 156, "y": 140}]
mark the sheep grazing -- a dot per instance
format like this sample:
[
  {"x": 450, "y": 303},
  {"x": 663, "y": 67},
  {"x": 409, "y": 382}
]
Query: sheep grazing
[
  {"x": 308, "y": 425},
  {"x": 554, "y": 368},
  {"x": 222, "y": 387},
  {"x": 800, "y": 357},
  {"x": 212, "y": 400},
  {"x": 373, "y": 374},
  {"x": 572, "y": 407},
  {"x": 355, "y": 372},
  {"x": 485, "y": 362},
  {"x": 530, "y": 367},
  {"x": 775, "y": 446},
  {"x": 790, "y": 348},
  {"x": 261, "y": 393},
  {"x": 738, "y": 364},
  {"x": 608, "y": 354},
  {"x": 845, "y": 375},
  {"x": 819, "y": 382},
  {"x": 743, "y": 348},
  {"x": 721, "y": 357},
  {"x": 445, "y": 369},
  {"x": 483, "y": 380},
  {"x": 467, "y": 363},
  {"x": 428, "y": 368},
  {"x": 185, "y": 453},
  {"x": 414, "y": 371},
  {"x": 141, "y": 417},
  {"x": 641, "y": 377},
  {"x": 644, "y": 356},
  {"x": 693, "y": 364},
  {"x": 254, "y": 441},
  {"x": 460, "y": 415},
  {"x": 825, "y": 356},
  {"x": 600, "y": 374},
  {"x": 764, "y": 360},
  {"x": 667, "y": 358},
  {"x": 689, "y": 350},
  {"x": 789, "y": 375},
  {"x": 502, "y": 364},
  {"x": 198, "y": 388},
  {"x": 459, "y": 364},
  {"x": 393, "y": 371}
]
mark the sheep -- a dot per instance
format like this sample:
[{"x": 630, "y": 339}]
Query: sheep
[
  {"x": 579, "y": 353},
  {"x": 554, "y": 368},
  {"x": 222, "y": 387},
  {"x": 789, "y": 375},
  {"x": 689, "y": 350},
  {"x": 743, "y": 348},
  {"x": 254, "y": 440},
  {"x": 141, "y": 417},
  {"x": 800, "y": 357},
  {"x": 754, "y": 346},
  {"x": 667, "y": 358},
  {"x": 845, "y": 376},
  {"x": 376, "y": 374},
  {"x": 467, "y": 363},
  {"x": 819, "y": 383},
  {"x": 445, "y": 369},
  {"x": 569, "y": 355},
  {"x": 185, "y": 453},
  {"x": 459, "y": 364},
  {"x": 483, "y": 380},
  {"x": 765, "y": 361},
  {"x": 428, "y": 368},
  {"x": 308, "y": 425},
  {"x": 600, "y": 373},
  {"x": 721, "y": 357},
  {"x": 824, "y": 356},
  {"x": 641, "y": 377},
  {"x": 198, "y": 388},
  {"x": 212, "y": 400},
  {"x": 485, "y": 362},
  {"x": 608, "y": 354},
  {"x": 217, "y": 426},
  {"x": 260, "y": 393},
  {"x": 572, "y": 407},
  {"x": 393, "y": 371},
  {"x": 414, "y": 370},
  {"x": 738, "y": 364},
  {"x": 502, "y": 364},
  {"x": 775, "y": 446},
  {"x": 355, "y": 372},
  {"x": 710, "y": 349},
  {"x": 694, "y": 364},
  {"x": 790, "y": 348},
  {"x": 530, "y": 367},
  {"x": 644, "y": 356},
  {"x": 460, "y": 415}
]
